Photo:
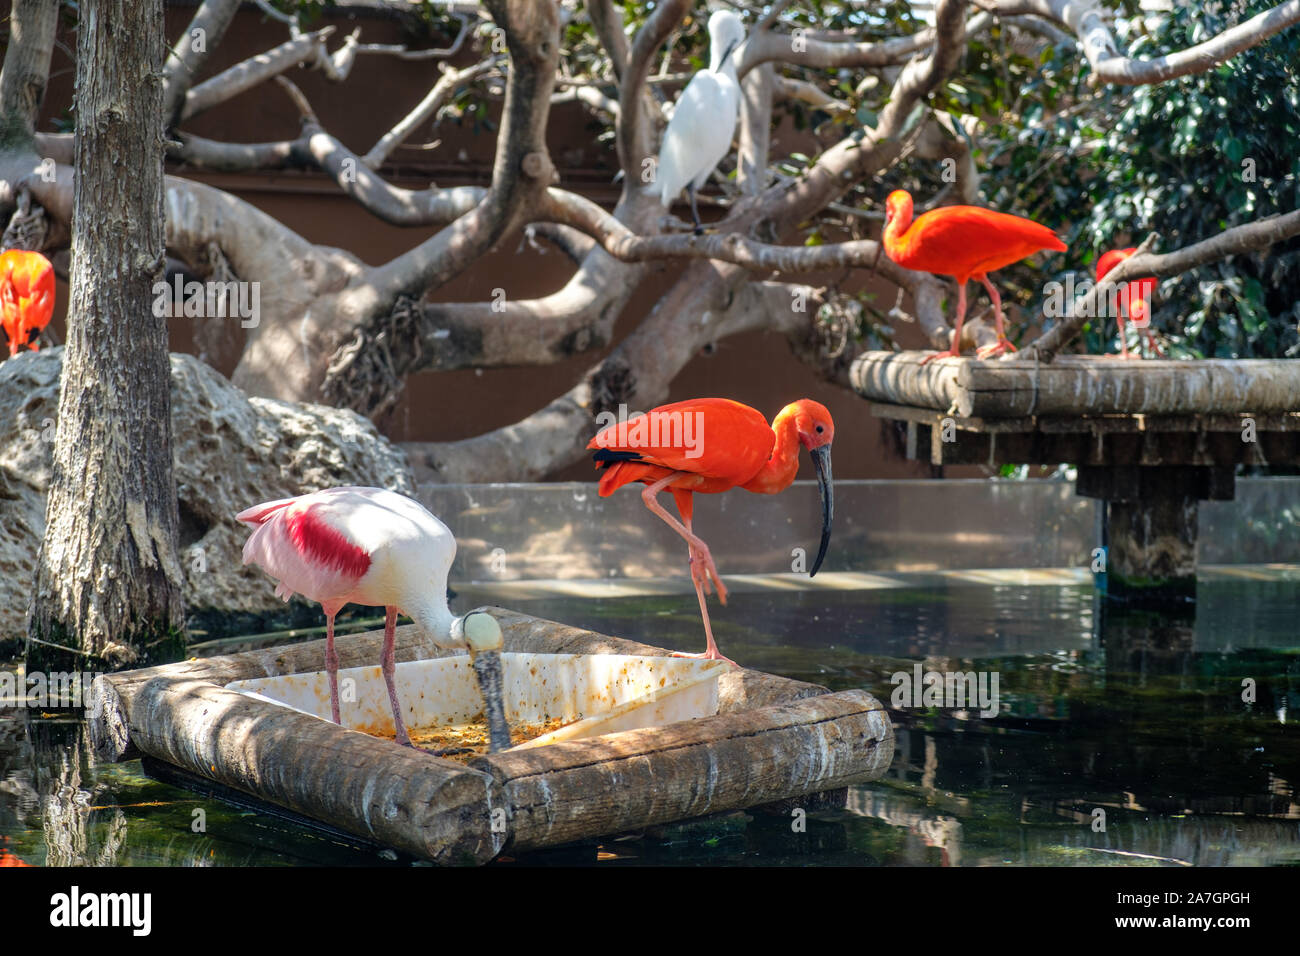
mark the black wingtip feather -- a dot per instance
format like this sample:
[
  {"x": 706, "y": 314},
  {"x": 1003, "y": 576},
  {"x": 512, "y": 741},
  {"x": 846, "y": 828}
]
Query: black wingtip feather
[{"x": 608, "y": 456}]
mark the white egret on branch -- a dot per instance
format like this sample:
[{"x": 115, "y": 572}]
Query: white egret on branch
[{"x": 704, "y": 120}]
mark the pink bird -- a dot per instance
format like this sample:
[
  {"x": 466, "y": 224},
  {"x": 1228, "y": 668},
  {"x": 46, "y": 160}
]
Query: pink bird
[{"x": 375, "y": 547}]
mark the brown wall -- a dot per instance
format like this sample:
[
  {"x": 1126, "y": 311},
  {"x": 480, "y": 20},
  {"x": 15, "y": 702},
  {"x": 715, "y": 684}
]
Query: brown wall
[{"x": 757, "y": 369}]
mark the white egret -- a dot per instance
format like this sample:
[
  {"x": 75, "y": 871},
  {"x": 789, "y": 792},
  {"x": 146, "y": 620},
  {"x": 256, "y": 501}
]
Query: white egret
[{"x": 704, "y": 120}]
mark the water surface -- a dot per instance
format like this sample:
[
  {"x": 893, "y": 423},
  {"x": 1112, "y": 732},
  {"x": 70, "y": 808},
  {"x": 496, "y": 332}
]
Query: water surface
[{"x": 1134, "y": 719}]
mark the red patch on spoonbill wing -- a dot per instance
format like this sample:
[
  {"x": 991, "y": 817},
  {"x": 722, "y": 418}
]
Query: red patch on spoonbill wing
[{"x": 325, "y": 545}]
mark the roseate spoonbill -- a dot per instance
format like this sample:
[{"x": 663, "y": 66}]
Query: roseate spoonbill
[
  {"x": 1134, "y": 300},
  {"x": 709, "y": 445},
  {"x": 375, "y": 547},
  {"x": 965, "y": 242},
  {"x": 26, "y": 297},
  {"x": 704, "y": 120}
]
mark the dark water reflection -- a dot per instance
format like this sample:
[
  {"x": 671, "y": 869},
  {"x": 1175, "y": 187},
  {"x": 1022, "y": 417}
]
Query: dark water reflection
[{"x": 1139, "y": 719}]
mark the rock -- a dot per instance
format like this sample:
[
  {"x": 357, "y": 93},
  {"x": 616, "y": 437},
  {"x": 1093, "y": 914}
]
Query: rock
[{"x": 230, "y": 451}]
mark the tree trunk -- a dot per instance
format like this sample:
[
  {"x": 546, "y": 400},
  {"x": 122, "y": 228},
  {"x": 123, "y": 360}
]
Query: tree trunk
[{"x": 108, "y": 584}]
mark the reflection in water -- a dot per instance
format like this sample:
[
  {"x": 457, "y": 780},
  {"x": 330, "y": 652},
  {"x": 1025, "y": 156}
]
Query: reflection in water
[{"x": 1122, "y": 739}]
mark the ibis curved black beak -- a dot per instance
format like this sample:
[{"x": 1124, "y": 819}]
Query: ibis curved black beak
[{"x": 822, "y": 462}]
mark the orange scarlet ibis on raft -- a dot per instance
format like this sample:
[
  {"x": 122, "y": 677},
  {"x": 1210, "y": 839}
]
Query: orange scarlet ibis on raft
[
  {"x": 378, "y": 548},
  {"x": 26, "y": 297},
  {"x": 710, "y": 445},
  {"x": 1134, "y": 300},
  {"x": 965, "y": 242}
]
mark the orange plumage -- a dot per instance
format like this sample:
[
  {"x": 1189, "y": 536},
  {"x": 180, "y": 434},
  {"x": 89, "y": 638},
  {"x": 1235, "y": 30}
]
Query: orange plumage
[
  {"x": 1134, "y": 300},
  {"x": 26, "y": 297},
  {"x": 965, "y": 242},
  {"x": 710, "y": 445}
]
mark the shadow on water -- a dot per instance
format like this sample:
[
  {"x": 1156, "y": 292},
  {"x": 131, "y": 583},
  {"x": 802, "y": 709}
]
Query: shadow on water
[{"x": 1120, "y": 739}]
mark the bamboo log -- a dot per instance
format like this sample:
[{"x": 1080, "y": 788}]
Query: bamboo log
[
  {"x": 774, "y": 740},
  {"x": 738, "y": 689},
  {"x": 1079, "y": 385},
  {"x": 435, "y": 809},
  {"x": 587, "y": 788}
]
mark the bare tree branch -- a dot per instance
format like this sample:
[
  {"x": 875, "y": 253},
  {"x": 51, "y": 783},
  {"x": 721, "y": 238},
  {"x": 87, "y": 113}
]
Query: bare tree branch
[
  {"x": 228, "y": 84},
  {"x": 805, "y": 50},
  {"x": 608, "y": 24},
  {"x": 633, "y": 131},
  {"x": 436, "y": 98},
  {"x": 191, "y": 51},
  {"x": 1085, "y": 19},
  {"x": 27, "y": 64}
]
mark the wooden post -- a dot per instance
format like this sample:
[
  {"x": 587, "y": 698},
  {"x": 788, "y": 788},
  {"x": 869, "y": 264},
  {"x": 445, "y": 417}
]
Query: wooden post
[{"x": 1150, "y": 525}]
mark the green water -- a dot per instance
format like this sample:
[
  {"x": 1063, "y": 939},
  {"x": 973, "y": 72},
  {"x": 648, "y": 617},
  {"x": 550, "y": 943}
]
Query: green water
[{"x": 1139, "y": 717}]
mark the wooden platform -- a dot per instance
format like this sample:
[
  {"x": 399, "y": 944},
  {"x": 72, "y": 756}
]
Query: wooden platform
[
  {"x": 1079, "y": 385},
  {"x": 773, "y": 740},
  {"x": 1150, "y": 438}
]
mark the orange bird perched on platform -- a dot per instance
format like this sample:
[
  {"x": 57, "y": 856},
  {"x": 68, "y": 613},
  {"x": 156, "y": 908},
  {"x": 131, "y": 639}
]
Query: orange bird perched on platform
[
  {"x": 965, "y": 242},
  {"x": 709, "y": 445},
  {"x": 26, "y": 297},
  {"x": 1134, "y": 300}
]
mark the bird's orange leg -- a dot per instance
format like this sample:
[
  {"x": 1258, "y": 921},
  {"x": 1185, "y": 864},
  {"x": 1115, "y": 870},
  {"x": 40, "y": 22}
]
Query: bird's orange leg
[
  {"x": 955, "y": 351},
  {"x": 1003, "y": 344},
  {"x": 701, "y": 550},
  {"x": 387, "y": 665}
]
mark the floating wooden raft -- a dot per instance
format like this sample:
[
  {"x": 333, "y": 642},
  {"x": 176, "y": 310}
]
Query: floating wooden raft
[
  {"x": 1078, "y": 385},
  {"x": 772, "y": 740}
]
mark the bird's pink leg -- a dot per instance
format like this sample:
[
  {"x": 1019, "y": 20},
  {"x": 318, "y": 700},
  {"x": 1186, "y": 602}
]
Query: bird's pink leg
[
  {"x": 701, "y": 549},
  {"x": 1003, "y": 344},
  {"x": 1123, "y": 339},
  {"x": 955, "y": 351},
  {"x": 387, "y": 665},
  {"x": 1151, "y": 341},
  {"x": 332, "y": 663},
  {"x": 700, "y": 579}
]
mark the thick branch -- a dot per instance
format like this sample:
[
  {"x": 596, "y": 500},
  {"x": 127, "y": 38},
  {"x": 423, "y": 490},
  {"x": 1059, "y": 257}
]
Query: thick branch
[
  {"x": 400, "y": 207},
  {"x": 633, "y": 132},
  {"x": 703, "y": 307},
  {"x": 191, "y": 52},
  {"x": 608, "y": 24},
  {"x": 241, "y": 77},
  {"x": 32, "y": 25}
]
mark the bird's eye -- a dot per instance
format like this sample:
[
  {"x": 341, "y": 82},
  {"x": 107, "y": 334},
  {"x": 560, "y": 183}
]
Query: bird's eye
[{"x": 820, "y": 429}]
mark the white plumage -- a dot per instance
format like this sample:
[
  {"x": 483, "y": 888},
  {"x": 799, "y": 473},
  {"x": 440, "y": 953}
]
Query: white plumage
[
  {"x": 374, "y": 547},
  {"x": 704, "y": 120}
]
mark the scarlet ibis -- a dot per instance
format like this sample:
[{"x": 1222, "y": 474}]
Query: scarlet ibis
[
  {"x": 1134, "y": 300},
  {"x": 375, "y": 547},
  {"x": 965, "y": 242},
  {"x": 26, "y": 297},
  {"x": 704, "y": 119},
  {"x": 730, "y": 445}
]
